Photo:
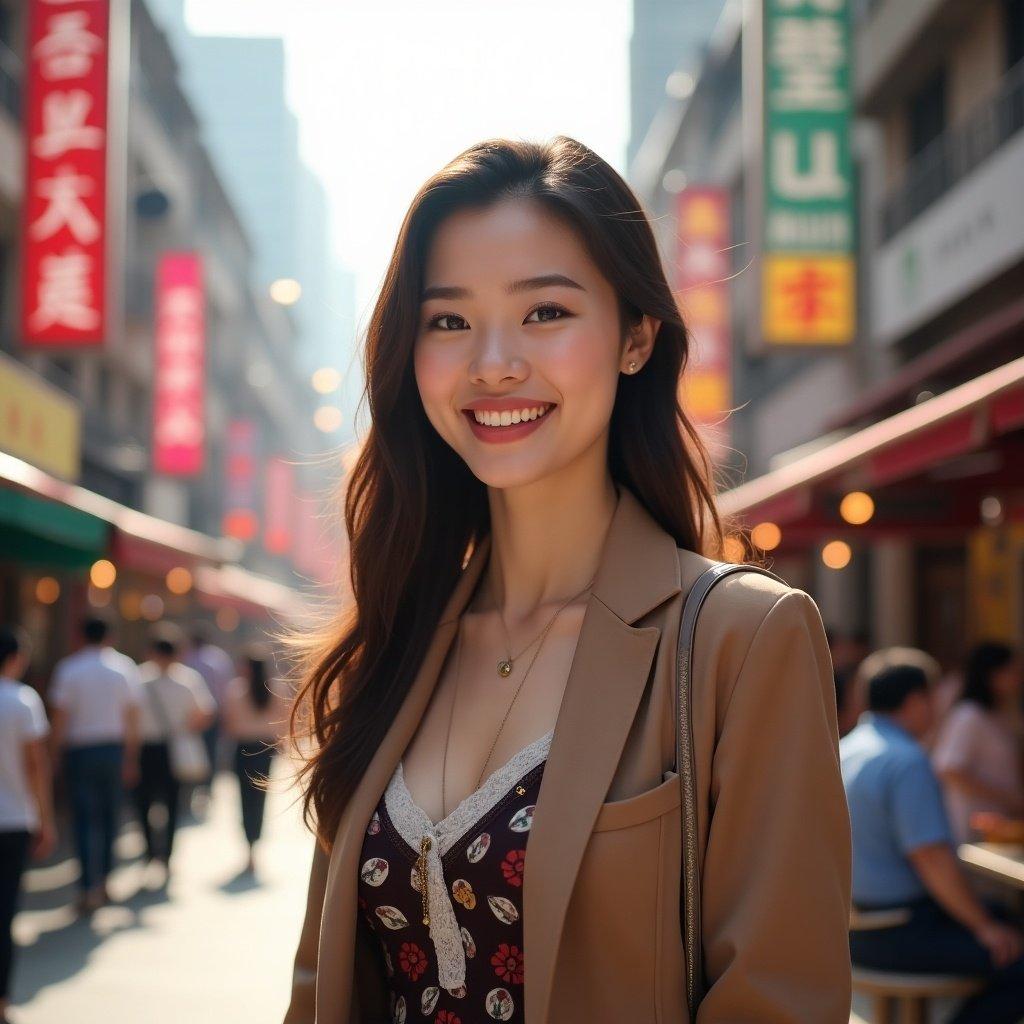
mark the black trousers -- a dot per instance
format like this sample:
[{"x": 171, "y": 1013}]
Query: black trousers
[
  {"x": 932, "y": 942},
  {"x": 13, "y": 856},
  {"x": 252, "y": 764},
  {"x": 157, "y": 785}
]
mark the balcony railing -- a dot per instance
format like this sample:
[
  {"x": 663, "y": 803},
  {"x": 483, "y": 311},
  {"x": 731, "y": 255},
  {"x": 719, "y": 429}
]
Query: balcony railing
[
  {"x": 10, "y": 81},
  {"x": 956, "y": 153}
]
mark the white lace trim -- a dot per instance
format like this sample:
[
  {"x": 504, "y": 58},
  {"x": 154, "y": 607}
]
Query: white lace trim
[{"x": 413, "y": 824}]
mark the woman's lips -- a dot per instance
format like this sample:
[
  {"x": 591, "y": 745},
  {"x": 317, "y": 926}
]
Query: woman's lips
[{"x": 501, "y": 435}]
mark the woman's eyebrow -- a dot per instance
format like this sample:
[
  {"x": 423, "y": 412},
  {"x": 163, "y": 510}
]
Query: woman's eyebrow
[{"x": 440, "y": 291}]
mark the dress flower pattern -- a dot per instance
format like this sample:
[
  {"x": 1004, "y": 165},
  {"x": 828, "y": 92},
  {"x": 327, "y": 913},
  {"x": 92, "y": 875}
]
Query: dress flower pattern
[{"x": 483, "y": 872}]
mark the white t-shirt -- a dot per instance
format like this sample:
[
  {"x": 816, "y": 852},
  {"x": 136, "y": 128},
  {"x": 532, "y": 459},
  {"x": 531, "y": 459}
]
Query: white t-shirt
[
  {"x": 178, "y": 692},
  {"x": 978, "y": 741},
  {"x": 94, "y": 686},
  {"x": 22, "y": 720}
]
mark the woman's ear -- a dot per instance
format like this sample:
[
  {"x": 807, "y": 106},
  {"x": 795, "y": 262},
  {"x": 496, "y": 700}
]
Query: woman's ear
[{"x": 639, "y": 344}]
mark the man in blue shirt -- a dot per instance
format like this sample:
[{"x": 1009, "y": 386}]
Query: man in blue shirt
[{"x": 903, "y": 853}]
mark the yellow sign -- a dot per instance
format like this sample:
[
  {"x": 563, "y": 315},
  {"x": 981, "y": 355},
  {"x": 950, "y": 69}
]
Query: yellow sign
[
  {"x": 808, "y": 300},
  {"x": 38, "y": 423}
]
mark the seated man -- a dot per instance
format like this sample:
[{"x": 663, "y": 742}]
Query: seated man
[{"x": 903, "y": 853}]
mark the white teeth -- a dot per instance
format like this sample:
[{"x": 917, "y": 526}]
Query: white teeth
[{"x": 492, "y": 418}]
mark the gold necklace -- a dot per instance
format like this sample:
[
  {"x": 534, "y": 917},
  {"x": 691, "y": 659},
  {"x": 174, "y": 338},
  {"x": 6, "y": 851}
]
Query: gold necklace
[
  {"x": 508, "y": 710},
  {"x": 507, "y": 664}
]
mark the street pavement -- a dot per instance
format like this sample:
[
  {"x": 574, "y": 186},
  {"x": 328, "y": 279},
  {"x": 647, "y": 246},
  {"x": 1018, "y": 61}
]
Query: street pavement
[{"x": 215, "y": 947}]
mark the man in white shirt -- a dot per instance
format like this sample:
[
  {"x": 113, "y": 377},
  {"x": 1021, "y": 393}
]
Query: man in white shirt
[
  {"x": 26, "y": 808},
  {"x": 175, "y": 699},
  {"x": 94, "y": 697}
]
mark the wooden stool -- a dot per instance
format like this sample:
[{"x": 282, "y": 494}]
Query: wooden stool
[{"x": 910, "y": 992}]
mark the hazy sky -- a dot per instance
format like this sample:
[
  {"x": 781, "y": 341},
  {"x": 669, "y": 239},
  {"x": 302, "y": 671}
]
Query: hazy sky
[{"x": 387, "y": 91}]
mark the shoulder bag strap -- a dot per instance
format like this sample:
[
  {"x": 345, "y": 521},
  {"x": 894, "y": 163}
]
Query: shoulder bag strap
[{"x": 690, "y": 887}]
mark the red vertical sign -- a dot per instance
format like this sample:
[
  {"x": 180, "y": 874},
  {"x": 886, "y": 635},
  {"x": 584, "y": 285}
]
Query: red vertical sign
[
  {"x": 178, "y": 388},
  {"x": 240, "y": 520},
  {"x": 279, "y": 506},
  {"x": 64, "y": 235},
  {"x": 702, "y": 283}
]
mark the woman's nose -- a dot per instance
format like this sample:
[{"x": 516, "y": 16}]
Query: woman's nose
[{"x": 497, "y": 360}]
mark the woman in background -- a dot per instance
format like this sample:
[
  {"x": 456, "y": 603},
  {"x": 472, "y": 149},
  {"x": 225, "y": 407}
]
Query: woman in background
[
  {"x": 255, "y": 717},
  {"x": 978, "y": 751}
]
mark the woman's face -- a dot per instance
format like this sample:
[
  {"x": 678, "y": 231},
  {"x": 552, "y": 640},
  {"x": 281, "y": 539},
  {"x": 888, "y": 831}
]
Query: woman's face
[
  {"x": 519, "y": 348},
  {"x": 1007, "y": 681}
]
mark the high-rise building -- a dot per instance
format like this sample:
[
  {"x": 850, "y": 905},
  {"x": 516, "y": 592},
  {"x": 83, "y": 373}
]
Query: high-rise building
[{"x": 668, "y": 36}]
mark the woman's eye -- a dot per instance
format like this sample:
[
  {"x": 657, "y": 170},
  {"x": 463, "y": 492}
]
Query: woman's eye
[
  {"x": 439, "y": 322},
  {"x": 545, "y": 314}
]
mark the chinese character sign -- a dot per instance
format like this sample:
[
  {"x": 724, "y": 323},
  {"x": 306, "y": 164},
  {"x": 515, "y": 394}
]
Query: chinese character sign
[
  {"x": 65, "y": 234},
  {"x": 809, "y": 225},
  {"x": 179, "y": 429},
  {"x": 702, "y": 289},
  {"x": 241, "y": 453}
]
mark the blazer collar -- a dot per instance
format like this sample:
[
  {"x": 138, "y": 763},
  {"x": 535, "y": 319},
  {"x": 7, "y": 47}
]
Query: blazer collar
[{"x": 638, "y": 571}]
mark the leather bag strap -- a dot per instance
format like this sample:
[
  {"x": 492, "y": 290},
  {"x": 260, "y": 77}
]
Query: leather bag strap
[{"x": 690, "y": 883}]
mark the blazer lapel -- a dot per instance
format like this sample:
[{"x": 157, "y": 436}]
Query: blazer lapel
[
  {"x": 610, "y": 669},
  {"x": 337, "y": 930}
]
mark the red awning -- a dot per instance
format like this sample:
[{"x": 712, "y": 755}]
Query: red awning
[
  {"x": 231, "y": 586},
  {"x": 963, "y": 420}
]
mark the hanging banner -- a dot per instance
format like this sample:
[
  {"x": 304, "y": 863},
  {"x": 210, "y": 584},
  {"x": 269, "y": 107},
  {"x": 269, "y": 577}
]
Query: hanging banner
[
  {"x": 241, "y": 455},
  {"x": 279, "y": 506},
  {"x": 64, "y": 233},
  {"x": 702, "y": 290},
  {"x": 179, "y": 430},
  {"x": 808, "y": 273}
]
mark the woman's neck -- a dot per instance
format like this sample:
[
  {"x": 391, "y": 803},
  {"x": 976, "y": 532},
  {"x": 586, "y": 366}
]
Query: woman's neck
[{"x": 546, "y": 538}]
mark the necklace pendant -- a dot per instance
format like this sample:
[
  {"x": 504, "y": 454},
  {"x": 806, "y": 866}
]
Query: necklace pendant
[{"x": 505, "y": 668}]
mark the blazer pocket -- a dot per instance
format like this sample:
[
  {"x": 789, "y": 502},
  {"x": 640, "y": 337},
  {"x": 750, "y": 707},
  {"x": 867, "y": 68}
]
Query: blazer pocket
[{"x": 635, "y": 810}]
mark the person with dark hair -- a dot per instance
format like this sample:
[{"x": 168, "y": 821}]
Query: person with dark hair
[
  {"x": 175, "y": 700},
  {"x": 94, "y": 697},
  {"x": 527, "y": 514},
  {"x": 26, "y": 805},
  {"x": 214, "y": 664},
  {"x": 256, "y": 718},
  {"x": 977, "y": 753},
  {"x": 903, "y": 854}
]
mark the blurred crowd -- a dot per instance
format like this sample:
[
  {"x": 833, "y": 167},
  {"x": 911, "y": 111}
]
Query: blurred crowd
[
  {"x": 932, "y": 761},
  {"x": 113, "y": 736}
]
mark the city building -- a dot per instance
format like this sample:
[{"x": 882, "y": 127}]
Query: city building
[
  {"x": 94, "y": 514},
  {"x": 882, "y": 471}
]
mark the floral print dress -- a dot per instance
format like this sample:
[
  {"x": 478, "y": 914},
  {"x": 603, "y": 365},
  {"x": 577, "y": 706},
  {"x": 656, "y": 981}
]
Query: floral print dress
[{"x": 453, "y": 953}]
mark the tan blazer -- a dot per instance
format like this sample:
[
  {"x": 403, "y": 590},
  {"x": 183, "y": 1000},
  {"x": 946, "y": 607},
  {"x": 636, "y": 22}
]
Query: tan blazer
[{"x": 601, "y": 885}]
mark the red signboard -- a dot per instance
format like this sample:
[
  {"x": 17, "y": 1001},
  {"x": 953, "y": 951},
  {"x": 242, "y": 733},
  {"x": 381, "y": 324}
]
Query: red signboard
[
  {"x": 179, "y": 428},
  {"x": 64, "y": 238},
  {"x": 702, "y": 289},
  {"x": 240, "y": 520},
  {"x": 279, "y": 504}
]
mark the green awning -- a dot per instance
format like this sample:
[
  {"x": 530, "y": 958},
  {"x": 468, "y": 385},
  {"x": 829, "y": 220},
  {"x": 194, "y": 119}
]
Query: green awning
[{"x": 48, "y": 535}]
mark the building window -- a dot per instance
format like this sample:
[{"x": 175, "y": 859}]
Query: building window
[
  {"x": 1014, "y": 32},
  {"x": 926, "y": 113}
]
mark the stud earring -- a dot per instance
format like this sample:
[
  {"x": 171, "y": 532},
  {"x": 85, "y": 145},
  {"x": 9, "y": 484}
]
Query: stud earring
[{"x": 632, "y": 366}]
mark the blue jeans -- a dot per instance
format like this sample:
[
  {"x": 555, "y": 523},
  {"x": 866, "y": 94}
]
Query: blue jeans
[
  {"x": 94, "y": 786},
  {"x": 932, "y": 942}
]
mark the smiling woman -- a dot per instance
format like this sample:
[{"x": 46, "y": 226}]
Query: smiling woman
[{"x": 492, "y": 731}]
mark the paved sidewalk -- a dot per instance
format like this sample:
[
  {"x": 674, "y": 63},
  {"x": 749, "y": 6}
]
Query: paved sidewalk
[{"x": 215, "y": 948}]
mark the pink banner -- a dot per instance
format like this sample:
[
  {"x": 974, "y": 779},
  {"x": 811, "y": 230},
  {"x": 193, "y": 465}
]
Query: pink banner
[
  {"x": 279, "y": 506},
  {"x": 64, "y": 235},
  {"x": 240, "y": 519},
  {"x": 179, "y": 425},
  {"x": 703, "y": 268}
]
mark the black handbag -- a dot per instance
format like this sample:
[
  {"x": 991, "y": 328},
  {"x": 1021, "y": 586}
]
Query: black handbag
[{"x": 690, "y": 886}]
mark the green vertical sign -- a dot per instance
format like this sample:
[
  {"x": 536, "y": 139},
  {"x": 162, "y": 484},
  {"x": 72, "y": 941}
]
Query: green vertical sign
[{"x": 809, "y": 220}]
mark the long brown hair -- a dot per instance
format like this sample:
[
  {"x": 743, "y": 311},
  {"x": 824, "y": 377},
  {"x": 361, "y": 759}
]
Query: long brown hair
[{"x": 413, "y": 508}]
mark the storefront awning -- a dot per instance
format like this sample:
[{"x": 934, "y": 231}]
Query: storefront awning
[
  {"x": 252, "y": 595},
  {"x": 142, "y": 540},
  {"x": 984, "y": 416},
  {"x": 47, "y": 535}
]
